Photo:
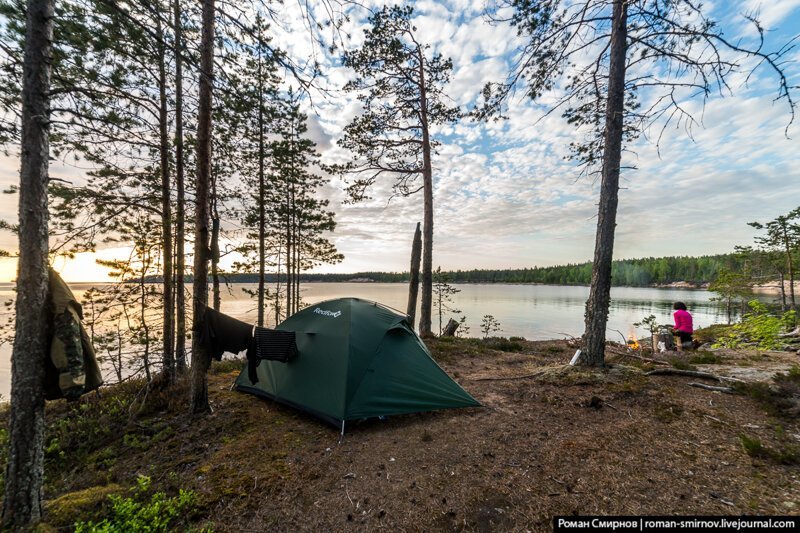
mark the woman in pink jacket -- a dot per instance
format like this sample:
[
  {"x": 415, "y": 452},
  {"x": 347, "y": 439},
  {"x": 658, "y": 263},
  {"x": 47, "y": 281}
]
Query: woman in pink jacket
[{"x": 683, "y": 324}]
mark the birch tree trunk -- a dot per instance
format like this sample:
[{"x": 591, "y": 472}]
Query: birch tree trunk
[
  {"x": 201, "y": 359},
  {"x": 25, "y": 467},
  {"x": 600, "y": 290}
]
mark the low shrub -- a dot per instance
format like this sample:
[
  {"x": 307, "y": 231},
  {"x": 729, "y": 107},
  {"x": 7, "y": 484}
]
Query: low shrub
[
  {"x": 758, "y": 328},
  {"x": 140, "y": 513}
]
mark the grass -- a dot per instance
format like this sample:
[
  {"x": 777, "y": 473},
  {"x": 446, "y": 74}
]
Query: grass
[
  {"x": 681, "y": 364},
  {"x": 786, "y": 454},
  {"x": 703, "y": 357},
  {"x": 505, "y": 345},
  {"x": 227, "y": 365}
]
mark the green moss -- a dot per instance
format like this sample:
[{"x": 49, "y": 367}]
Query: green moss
[
  {"x": 142, "y": 511},
  {"x": 631, "y": 385},
  {"x": 79, "y": 505}
]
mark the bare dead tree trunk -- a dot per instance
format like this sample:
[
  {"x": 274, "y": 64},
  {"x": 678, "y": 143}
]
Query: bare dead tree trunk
[
  {"x": 450, "y": 329},
  {"x": 25, "y": 468},
  {"x": 600, "y": 290},
  {"x": 217, "y": 299},
  {"x": 180, "y": 237},
  {"x": 413, "y": 284},
  {"x": 168, "y": 356},
  {"x": 201, "y": 359},
  {"x": 427, "y": 177}
]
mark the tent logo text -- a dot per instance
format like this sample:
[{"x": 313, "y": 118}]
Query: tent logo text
[{"x": 334, "y": 314}]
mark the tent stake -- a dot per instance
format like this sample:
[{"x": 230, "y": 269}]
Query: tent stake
[{"x": 341, "y": 437}]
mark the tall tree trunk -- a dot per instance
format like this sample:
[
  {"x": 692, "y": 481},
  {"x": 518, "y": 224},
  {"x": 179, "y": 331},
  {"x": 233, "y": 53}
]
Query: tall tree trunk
[
  {"x": 180, "y": 237},
  {"x": 789, "y": 264},
  {"x": 297, "y": 245},
  {"x": 143, "y": 316},
  {"x": 600, "y": 290},
  {"x": 427, "y": 229},
  {"x": 783, "y": 292},
  {"x": 413, "y": 284},
  {"x": 278, "y": 314},
  {"x": 262, "y": 191},
  {"x": 168, "y": 356},
  {"x": 25, "y": 466},
  {"x": 201, "y": 359},
  {"x": 289, "y": 281}
]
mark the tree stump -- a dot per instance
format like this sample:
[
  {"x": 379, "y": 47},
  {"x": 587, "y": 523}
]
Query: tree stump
[{"x": 450, "y": 328}]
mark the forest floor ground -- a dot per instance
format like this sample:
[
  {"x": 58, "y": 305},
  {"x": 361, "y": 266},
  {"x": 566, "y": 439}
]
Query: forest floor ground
[{"x": 549, "y": 440}]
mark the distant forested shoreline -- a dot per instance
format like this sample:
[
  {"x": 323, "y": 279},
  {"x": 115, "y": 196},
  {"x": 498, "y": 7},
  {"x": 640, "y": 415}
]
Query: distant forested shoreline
[{"x": 643, "y": 272}]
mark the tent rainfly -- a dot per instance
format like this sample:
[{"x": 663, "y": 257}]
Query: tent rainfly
[{"x": 356, "y": 359}]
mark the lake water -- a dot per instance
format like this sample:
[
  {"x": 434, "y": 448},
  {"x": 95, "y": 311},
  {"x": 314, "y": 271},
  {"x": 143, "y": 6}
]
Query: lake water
[{"x": 532, "y": 311}]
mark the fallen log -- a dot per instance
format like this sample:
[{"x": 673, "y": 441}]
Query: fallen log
[
  {"x": 679, "y": 372},
  {"x": 726, "y": 390},
  {"x": 645, "y": 359},
  {"x": 509, "y": 378}
]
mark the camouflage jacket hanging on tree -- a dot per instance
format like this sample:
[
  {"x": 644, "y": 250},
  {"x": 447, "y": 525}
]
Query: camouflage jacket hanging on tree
[{"x": 71, "y": 369}]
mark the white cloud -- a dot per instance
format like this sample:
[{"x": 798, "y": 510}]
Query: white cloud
[{"x": 505, "y": 196}]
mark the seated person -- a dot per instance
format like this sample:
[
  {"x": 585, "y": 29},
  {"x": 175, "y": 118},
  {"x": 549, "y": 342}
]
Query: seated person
[{"x": 683, "y": 324}]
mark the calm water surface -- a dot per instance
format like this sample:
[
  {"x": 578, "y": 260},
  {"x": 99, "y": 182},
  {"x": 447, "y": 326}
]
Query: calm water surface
[{"x": 532, "y": 311}]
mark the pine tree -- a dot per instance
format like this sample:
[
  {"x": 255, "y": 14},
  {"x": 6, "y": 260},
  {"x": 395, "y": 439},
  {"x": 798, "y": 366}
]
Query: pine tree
[
  {"x": 686, "y": 55},
  {"x": 401, "y": 90}
]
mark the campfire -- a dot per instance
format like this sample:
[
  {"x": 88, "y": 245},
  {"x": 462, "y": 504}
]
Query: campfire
[{"x": 633, "y": 342}]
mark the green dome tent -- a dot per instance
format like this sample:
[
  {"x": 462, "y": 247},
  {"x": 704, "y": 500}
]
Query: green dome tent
[{"x": 356, "y": 359}]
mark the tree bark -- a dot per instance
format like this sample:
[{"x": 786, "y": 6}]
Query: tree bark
[
  {"x": 413, "y": 284},
  {"x": 217, "y": 300},
  {"x": 168, "y": 355},
  {"x": 201, "y": 359},
  {"x": 25, "y": 467},
  {"x": 789, "y": 264},
  {"x": 180, "y": 237},
  {"x": 600, "y": 289},
  {"x": 262, "y": 191},
  {"x": 426, "y": 307},
  {"x": 450, "y": 329}
]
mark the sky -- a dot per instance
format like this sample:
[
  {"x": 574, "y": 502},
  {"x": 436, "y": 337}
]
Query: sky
[{"x": 504, "y": 195}]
